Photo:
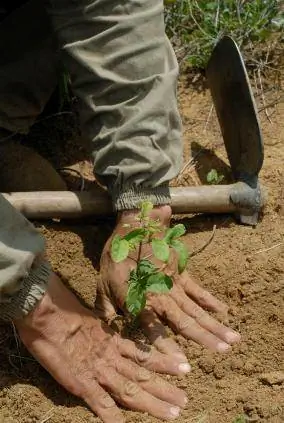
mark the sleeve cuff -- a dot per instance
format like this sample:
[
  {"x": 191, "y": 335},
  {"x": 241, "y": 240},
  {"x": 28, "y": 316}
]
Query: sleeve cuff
[
  {"x": 131, "y": 199},
  {"x": 33, "y": 288}
]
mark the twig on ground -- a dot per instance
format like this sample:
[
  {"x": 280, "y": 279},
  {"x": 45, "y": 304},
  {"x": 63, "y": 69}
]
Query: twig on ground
[
  {"x": 217, "y": 14},
  {"x": 268, "y": 249},
  {"x": 208, "y": 117},
  {"x": 199, "y": 250},
  {"x": 262, "y": 95},
  {"x": 47, "y": 416},
  {"x": 273, "y": 103},
  {"x": 190, "y": 164}
]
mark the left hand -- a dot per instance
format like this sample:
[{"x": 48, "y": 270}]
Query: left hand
[{"x": 183, "y": 308}]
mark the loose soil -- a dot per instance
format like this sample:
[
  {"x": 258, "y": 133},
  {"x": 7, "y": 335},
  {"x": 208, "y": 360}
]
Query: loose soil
[{"x": 242, "y": 266}]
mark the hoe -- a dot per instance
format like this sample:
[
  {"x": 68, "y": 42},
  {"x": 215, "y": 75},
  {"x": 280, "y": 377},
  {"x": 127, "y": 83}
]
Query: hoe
[{"x": 235, "y": 107}]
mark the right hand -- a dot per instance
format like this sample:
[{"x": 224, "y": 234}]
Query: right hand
[
  {"x": 184, "y": 308},
  {"x": 86, "y": 357}
]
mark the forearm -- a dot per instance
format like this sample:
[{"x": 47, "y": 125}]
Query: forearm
[
  {"x": 124, "y": 73},
  {"x": 23, "y": 271}
]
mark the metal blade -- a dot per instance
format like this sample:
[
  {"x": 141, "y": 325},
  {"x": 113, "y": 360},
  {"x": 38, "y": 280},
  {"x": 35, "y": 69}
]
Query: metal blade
[{"x": 236, "y": 110}]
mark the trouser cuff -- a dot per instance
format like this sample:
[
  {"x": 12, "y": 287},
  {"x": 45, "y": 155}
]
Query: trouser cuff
[
  {"x": 132, "y": 198},
  {"x": 33, "y": 288}
]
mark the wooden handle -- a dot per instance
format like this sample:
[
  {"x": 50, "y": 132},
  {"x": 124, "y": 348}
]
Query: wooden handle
[{"x": 68, "y": 204}]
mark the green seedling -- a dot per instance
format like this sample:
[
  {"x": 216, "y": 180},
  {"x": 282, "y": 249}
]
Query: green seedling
[
  {"x": 147, "y": 277},
  {"x": 240, "y": 419},
  {"x": 213, "y": 178}
]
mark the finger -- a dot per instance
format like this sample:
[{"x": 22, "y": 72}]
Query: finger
[
  {"x": 151, "y": 383},
  {"x": 200, "y": 295},
  {"x": 202, "y": 317},
  {"x": 152, "y": 359},
  {"x": 185, "y": 325},
  {"x": 104, "y": 308},
  {"x": 101, "y": 403},
  {"x": 157, "y": 334},
  {"x": 131, "y": 395}
]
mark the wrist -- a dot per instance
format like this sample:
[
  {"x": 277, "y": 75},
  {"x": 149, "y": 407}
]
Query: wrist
[
  {"x": 41, "y": 309},
  {"x": 58, "y": 308}
]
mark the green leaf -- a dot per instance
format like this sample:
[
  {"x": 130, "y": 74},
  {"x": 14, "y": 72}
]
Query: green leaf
[
  {"x": 174, "y": 232},
  {"x": 154, "y": 226},
  {"x": 119, "y": 249},
  {"x": 159, "y": 283},
  {"x": 242, "y": 418},
  {"x": 160, "y": 249},
  {"x": 135, "y": 237},
  {"x": 133, "y": 277},
  {"x": 182, "y": 254},
  {"x": 136, "y": 298},
  {"x": 213, "y": 177},
  {"x": 145, "y": 268},
  {"x": 145, "y": 208}
]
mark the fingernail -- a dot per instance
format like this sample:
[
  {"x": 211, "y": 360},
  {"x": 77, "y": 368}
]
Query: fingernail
[
  {"x": 223, "y": 347},
  {"x": 184, "y": 368},
  {"x": 232, "y": 337},
  {"x": 174, "y": 411}
]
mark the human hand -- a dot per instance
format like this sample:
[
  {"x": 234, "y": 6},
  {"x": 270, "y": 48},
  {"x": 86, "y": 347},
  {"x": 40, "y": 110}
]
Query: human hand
[
  {"x": 183, "y": 308},
  {"x": 94, "y": 363}
]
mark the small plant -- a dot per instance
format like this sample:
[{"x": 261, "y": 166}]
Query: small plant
[
  {"x": 240, "y": 419},
  {"x": 214, "y": 178},
  {"x": 195, "y": 26},
  {"x": 147, "y": 277}
]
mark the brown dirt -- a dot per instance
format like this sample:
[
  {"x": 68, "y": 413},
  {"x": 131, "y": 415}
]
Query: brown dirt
[{"x": 242, "y": 266}]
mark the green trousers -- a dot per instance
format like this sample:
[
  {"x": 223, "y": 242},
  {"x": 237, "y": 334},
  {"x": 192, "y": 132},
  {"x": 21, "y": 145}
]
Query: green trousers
[{"x": 124, "y": 73}]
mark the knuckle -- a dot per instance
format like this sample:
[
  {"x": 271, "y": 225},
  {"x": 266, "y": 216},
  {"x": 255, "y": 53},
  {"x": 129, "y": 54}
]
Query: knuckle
[
  {"x": 103, "y": 371},
  {"x": 204, "y": 297},
  {"x": 144, "y": 375},
  {"x": 130, "y": 390},
  {"x": 198, "y": 313},
  {"x": 104, "y": 347},
  {"x": 143, "y": 354},
  {"x": 105, "y": 401},
  {"x": 181, "y": 303},
  {"x": 184, "y": 323}
]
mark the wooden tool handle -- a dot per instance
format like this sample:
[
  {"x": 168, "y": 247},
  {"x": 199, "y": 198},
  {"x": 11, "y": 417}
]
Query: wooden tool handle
[{"x": 68, "y": 204}]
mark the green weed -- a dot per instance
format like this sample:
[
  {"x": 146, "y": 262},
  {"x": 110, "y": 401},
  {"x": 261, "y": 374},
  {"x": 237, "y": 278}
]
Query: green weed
[
  {"x": 195, "y": 26},
  {"x": 240, "y": 419},
  {"x": 214, "y": 178}
]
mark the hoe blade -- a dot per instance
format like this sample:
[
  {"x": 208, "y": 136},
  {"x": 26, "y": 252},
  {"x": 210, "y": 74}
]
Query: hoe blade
[{"x": 236, "y": 110}]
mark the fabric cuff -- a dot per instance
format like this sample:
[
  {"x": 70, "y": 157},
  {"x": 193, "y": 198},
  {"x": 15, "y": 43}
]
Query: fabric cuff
[
  {"x": 132, "y": 198},
  {"x": 33, "y": 288}
]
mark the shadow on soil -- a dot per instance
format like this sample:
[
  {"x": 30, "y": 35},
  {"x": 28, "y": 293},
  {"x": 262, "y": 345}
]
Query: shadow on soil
[{"x": 207, "y": 160}]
